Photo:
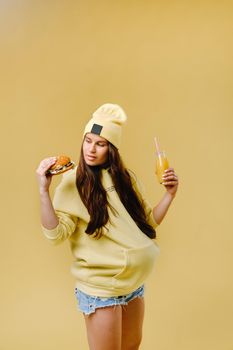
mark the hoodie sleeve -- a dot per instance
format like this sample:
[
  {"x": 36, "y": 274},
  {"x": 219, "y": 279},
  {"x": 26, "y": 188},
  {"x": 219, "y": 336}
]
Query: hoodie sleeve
[
  {"x": 147, "y": 206},
  {"x": 63, "y": 203},
  {"x": 66, "y": 226}
]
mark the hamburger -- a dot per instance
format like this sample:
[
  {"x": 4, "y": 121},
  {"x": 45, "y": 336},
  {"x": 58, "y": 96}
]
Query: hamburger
[{"x": 62, "y": 164}]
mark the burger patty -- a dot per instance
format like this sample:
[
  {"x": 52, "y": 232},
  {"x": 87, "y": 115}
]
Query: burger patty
[{"x": 60, "y": 168}]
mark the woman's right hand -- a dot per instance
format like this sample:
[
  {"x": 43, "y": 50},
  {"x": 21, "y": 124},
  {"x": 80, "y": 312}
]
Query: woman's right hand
[{"x": 44, "y": 180}]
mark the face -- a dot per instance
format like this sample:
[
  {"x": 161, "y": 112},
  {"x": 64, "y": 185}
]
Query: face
[{"x": 95, "y": 149}]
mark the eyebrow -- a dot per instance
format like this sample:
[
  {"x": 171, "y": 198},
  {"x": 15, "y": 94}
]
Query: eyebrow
[{"x": 102, "y": 141}]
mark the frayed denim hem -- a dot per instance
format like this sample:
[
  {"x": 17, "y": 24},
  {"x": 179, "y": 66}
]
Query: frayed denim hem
[{"x": 87, "y": 304}]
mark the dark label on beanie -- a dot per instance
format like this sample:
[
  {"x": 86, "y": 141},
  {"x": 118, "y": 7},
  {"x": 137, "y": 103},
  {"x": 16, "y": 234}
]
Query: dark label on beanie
[{"x": 96, "y": 129}]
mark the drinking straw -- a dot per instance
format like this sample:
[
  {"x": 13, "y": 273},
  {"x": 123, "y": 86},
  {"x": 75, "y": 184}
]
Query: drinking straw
[{"x": 157, "y": 145}]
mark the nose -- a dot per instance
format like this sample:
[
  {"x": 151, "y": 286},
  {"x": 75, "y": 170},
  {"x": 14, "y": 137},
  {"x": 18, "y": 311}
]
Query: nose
[{"x": 92, "y": 147}]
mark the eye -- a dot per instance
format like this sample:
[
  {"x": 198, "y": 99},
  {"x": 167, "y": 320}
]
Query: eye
[{"x": 102, "y": 144}]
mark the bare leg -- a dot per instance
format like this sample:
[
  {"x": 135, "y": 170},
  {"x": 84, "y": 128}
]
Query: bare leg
[
  {"x": 104, "y": 328},
  {"x": 132, "y": 321}
]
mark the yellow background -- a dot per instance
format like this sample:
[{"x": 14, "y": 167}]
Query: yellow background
[{"x": 169, "y": 64}]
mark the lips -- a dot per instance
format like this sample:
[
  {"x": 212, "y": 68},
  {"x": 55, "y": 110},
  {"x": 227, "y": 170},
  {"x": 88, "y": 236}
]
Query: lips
[{"x": 90, "y": 157}]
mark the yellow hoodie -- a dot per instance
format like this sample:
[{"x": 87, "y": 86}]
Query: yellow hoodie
[{"x": 118, "y": 262}]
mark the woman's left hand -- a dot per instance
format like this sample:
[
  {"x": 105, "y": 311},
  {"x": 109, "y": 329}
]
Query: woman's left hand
[{"x": 170, "y": 181}]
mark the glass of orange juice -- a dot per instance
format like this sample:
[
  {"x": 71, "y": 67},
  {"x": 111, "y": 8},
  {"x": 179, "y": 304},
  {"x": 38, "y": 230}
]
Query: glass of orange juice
[{"x": 161, "y": 164}]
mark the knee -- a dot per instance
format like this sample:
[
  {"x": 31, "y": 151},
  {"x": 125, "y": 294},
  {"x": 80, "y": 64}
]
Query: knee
[
  {"x": 136, "y": 343},
  {"x": 131, "y": 344}
]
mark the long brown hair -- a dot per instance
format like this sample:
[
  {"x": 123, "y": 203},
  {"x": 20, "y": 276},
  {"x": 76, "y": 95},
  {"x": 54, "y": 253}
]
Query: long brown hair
[{"x": 94, "y": 196}]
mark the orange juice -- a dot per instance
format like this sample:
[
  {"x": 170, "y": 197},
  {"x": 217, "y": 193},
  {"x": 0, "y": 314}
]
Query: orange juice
[{"x": 161, "y": 165}]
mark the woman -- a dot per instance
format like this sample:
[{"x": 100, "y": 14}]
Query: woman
[{"x": 99, "y": 207}]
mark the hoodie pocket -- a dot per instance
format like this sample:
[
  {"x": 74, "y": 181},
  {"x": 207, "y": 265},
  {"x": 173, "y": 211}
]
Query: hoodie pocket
[{"x": 139, "y": 263}]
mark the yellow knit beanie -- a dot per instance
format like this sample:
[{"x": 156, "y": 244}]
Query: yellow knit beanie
[{"x": 107, "y": 122}]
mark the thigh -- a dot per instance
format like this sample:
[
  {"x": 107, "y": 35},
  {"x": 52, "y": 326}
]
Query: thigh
[
  {"x": 132, "y": 322},
  {"x": 104, "y": 328}
]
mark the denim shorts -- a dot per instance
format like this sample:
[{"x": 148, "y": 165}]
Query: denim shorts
[{"x": 89, "y": 303}]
